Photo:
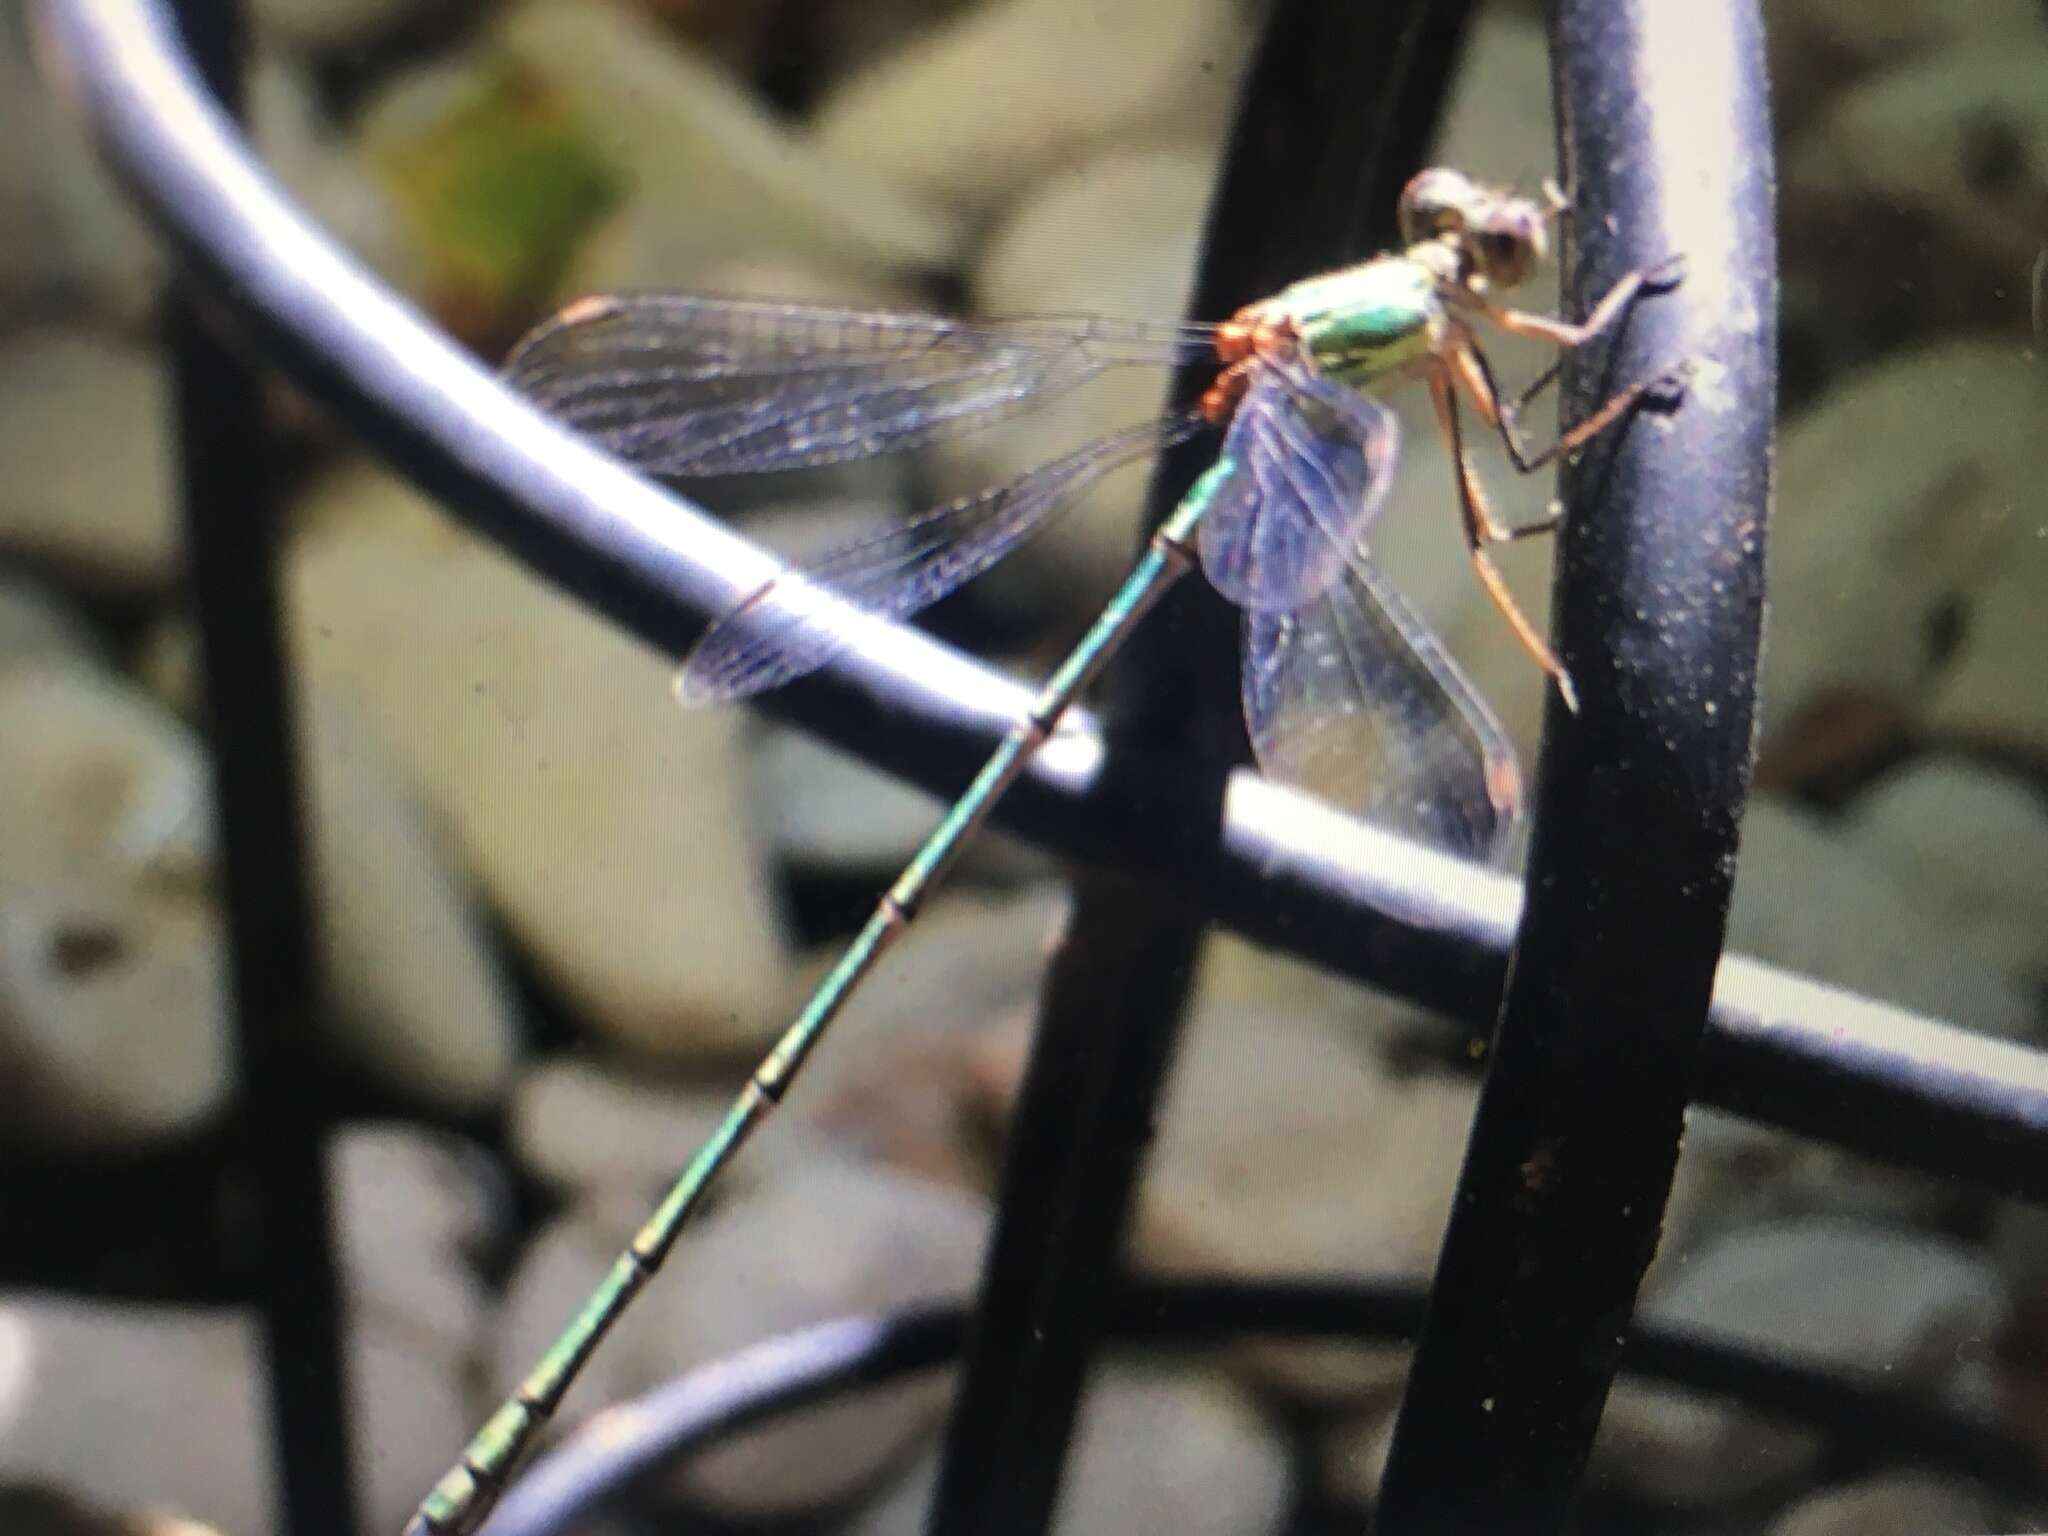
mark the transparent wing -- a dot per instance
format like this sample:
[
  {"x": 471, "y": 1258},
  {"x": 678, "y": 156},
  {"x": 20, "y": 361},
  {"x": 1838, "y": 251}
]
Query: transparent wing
[
  {"x": 789, "y": 627},
  {"x": 689, "y": 387},
  {"x": 1315, "y": 460},
  {"x": 1353, "y": 699}
]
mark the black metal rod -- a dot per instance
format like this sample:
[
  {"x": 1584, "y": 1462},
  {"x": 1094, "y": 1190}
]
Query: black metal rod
[
  {"x": 1659, "y": 605},
  {"x": 279, "y": 1139},
  {"x": 1106, "y": 1031},
  {"x": 1334, "y": 114},
  {"x": 1285, "y": 871},
  {"x": 793, "y": 1371}
]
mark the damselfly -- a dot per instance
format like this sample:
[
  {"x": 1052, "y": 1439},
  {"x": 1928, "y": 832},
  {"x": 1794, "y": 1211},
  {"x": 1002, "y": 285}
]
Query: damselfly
[{"x": 1344, "y": 689}]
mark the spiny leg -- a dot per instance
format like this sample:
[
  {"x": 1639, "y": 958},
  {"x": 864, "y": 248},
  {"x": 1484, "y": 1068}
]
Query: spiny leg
[
  {"x": 1477, "y": 519},
  {"x": 463, "y": 1497},
  {"x": 1474, "y": 374},
  {"x": 1565, "y": 334}
]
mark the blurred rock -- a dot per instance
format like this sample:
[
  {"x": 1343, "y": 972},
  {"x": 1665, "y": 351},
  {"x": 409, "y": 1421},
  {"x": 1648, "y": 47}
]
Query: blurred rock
[
  {"x": 112, "y": 1002},
  {"x": 1157, "y": 1448},
  {"x": 420, "y": 1000},
  {"x": 40, "y": 1510},
  {"x": 1735, "y": 1175},
  {"x": 413, "y": 1414},
  {"x": 410, "y": 1212},
  {"x": 1901, "y": 496},
  {"x": 1973, "y": 840},
  {"x": 1351, "y": 1455},
  {"x": 72, "y": 247},
  {"x": 113, "y": 1015},
  {"x": 1238, "y": 974},
  {"x": 177, "y": 1392},
  {"x": 175, "y": 1389},
  {"x": 1940, "y": 165},
  {"x": 973, "y": 111},
  {"x": 84, "y": 432},
  {"x": 715, "y": 175},
  {"x": 1116, "y": 234},
  {"x": 1988, "y": 694},
  {"x": 830, "y": 1240},
  {"x": 165, "y": 664},
  {"x": 1901, "y": 1504},
  {"x": 36, "y": 625},
  {"x": 106, "y": 791},
  {"x": 616, "y": 1136},
  {"x": 609, "y": 830},
  {"x": 1283, "y": 1149},
  {"x": 1912, "y": 1312},
  {"x": 1816, "y": 47},
  {"x": 1806, "y": 900},
  {"x": 1117, "y": 237},
  {"x": 100, "y": 780},
  {"x": 2019, "y": 1247},
  {"x": 1664, "y": 1443},
  {"x": 1499, "y": 122},
  {"x": 413, "y": 1210},
  {"x": 822, "y": 809}
]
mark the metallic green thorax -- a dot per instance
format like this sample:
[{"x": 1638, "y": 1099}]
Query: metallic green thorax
[{"x": 1368, "y": 321}]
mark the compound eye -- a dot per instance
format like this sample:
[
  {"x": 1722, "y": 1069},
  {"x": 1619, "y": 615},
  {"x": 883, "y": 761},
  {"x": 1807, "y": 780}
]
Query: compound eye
[
  {"x": 1435, "y": 202},
  {"x": 1504, "y": 255}
]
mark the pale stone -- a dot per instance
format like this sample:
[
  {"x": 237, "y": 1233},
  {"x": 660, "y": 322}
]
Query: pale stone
[
  {"x": 716, "y": 175},
  {"x": 113, "y": 1015},
  {"x": 1991, "y": 692},
  {"x": 1972, "y": 839},
  {"x": 831, "y": 1239},
  {"x": 1873, "y": 1302},
  {"x": 1284, "y": 1149},
  {"x": 1900, "y": 497},
  {"x": 177, "y": 1389},
  {"x": 37, "y": 626},
  {"x": 1156, "y": 1448},
  {"x": 1901, "y": 1504},
  {"x": 1807, "y": 900},
  {"x": 100, "y": 780},
  {"x": 410, "y": 1209},
  {"x": 73, "y": 246},
  {"x": 620, "y": 1137},
  {"x": 419, "y": 997},
  {"x": 1938, "y": 169},
  {"x": 971, "y": 112},
  {"x": 609, "y": 831},
  {"x": 85, "y": 424}
]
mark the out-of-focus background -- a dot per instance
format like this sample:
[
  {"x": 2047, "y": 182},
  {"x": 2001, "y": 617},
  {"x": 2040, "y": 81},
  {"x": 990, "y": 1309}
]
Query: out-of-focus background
[{"x": 559, "y": 917}]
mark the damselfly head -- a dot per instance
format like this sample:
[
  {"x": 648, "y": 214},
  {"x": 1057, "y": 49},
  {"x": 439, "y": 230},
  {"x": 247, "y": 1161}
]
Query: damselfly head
[{"x": 1500, "y": 236}]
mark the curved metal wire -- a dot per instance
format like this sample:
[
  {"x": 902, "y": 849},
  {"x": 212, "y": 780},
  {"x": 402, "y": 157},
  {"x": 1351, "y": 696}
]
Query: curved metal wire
[
  {"x": 1281, "y": 869},
  {"x": 810, "y": 1365}
]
